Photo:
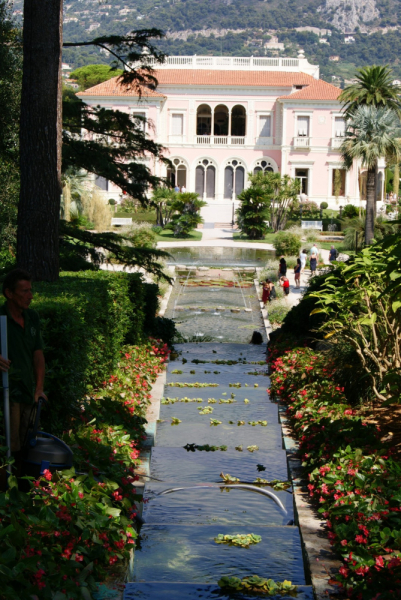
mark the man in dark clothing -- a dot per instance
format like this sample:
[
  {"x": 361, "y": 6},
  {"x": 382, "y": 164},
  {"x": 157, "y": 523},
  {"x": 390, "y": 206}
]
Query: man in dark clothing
[
  {"x": 333, "y": 254},
  {"x": 26, "y": 361}
]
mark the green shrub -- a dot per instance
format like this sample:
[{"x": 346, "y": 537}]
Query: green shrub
[
  {"x": 86, "y": 319},
  {"x": 157, "y": 229},
  {"x": 350, "y": 211},
  {"x": 324, "y": 205},
  {"x": 164, "y": 329},
  {"x": 287, "y": 243}
]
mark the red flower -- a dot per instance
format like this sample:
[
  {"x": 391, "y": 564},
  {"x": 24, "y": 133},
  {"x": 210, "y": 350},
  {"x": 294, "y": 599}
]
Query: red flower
[{"x": 46, "y": 473}]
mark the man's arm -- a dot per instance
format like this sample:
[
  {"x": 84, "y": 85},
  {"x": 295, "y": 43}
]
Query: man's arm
[
  {"x": 4, "y": 364},
  {"x": 39, "y": 367}
]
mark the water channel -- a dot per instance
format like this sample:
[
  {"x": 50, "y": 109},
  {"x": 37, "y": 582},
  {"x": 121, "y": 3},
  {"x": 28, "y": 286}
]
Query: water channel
[{"x": 216, "y": 417}]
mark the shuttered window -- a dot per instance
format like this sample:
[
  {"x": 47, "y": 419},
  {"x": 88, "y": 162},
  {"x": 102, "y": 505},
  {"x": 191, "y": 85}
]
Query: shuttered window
[
  {"x": 141, "y": 124},
  {"x": 339, "y": 127},
  {"x": 303, "y": 126},
  {"x": 177, "y": 124},
  {"x": 265, "y": 126}
]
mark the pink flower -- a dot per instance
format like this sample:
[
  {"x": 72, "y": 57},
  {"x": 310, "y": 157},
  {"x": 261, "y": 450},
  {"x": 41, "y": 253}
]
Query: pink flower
[
  {"x": 46, "y": 473},
  {"x": 360, "y": 539},
  {"x": 343, "y": 542},
  {"x": 344, "y": 571}
]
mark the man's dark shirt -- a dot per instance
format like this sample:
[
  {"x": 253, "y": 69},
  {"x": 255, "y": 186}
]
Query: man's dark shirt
[{"x": 22, "y": 343}]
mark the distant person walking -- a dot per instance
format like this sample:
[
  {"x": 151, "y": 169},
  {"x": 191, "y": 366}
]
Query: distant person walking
[
  {"x": 314, "y": 250},
  {"x": 266, "y": 291},
  {"x": 303, "y": 256},
  {"x": 313, "y": 263},
  {"x": 282, "y": 267},
  {"x": 333, "y": 253},
  {"x": 297, "y": 273},
  {"x": 183, "y": 189},
  {"x": 176, "y": 189}
]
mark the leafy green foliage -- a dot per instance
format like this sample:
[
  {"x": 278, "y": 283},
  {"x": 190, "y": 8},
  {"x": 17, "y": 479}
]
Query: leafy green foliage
[
  {"x": 257, "y": 585},
  {"x": 243, "y": 540},
  {"x": 287, "y": 243},
  {"x": 358, "y": 309},
  {"x": 96, "y": 313},
  {"x": 186, "y": 213},
  {"x": 91, "y": 75},
  {"x": 72, "y": 530},
  {"x": 373, "y": 87},
  {"x": 352, "y": 476}
]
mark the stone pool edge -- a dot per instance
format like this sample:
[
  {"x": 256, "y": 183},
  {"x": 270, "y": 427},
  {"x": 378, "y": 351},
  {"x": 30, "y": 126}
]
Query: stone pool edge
[{"x": 321, "y": 560}]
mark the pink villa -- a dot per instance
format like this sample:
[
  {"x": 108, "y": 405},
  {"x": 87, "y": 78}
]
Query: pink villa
[{"x": 222, "y": 118}]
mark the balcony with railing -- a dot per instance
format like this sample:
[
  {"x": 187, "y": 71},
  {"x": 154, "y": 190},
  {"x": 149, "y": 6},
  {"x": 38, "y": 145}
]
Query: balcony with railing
[
  {"x": 220, "y": 140},
  {"x": 234, "y": 63},
  {"x": 302, "y": 142},
  {"x": 336, "y": 142}
]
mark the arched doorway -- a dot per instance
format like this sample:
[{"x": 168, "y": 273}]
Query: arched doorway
[
  {"x": 205, "y": 179},
  {"x": 177, "y": 175},
  {"x": 221, "y": 119},
  {"x": 238, "y": 121},
  {"x": 203, "y": 120},
  {"x": 234, "y": 179}
]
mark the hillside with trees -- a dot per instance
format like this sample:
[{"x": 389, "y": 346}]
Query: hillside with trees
[{"x": 336, "y": 34}]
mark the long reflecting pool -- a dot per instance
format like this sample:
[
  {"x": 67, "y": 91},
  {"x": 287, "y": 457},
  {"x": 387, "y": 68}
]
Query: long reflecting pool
[
  {"x": 220, "y": 257},
  {"x": 218, "y": 310}
]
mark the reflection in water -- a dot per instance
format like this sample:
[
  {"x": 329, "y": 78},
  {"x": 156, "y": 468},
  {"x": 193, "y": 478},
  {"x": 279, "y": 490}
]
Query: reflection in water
[
  {"x": 220, "y": 257},
  {"x": 194, "y": 305}
]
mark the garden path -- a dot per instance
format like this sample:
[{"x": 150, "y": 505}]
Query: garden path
[{"x": 177, "y": 557}]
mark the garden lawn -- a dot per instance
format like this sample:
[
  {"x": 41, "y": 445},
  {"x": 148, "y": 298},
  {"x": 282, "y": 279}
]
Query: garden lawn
[
  {"x": 168, "y": 236},
  {"x": 268, "y": 239},
  {"x": 75, "y": 528},
  {"x": 146, "y": 216},
  {"x": 353, "y": 477}
]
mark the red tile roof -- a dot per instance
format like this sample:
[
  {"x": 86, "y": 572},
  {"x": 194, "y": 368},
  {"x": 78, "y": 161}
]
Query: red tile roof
[
  {"x": 114, "y": 88},
  {"x": 230, "y": 78},
  {"x": 315, "y": 89}
]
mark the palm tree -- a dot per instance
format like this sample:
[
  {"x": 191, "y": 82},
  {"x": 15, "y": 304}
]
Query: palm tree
[
  {"x": 371, "y": 134},
  {"x": 374, "y": 87}
]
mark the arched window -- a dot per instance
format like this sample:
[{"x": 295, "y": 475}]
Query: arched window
[
  {"x": 205, "y": 178},
  {"x": 220, "y": 126},
  {"x": 263, "y": 165},
  {"x": 234, "y": 179},
  {"x": 177, "y": 175},
  {"x": 238, "y": 121},
  {"x": 203, "y": 120}
]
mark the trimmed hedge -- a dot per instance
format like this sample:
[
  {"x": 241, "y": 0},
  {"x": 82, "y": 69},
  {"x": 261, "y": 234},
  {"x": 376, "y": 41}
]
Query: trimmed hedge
[{"x": 86, "y": 318}]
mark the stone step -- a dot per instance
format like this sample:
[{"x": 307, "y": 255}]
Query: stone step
[
  {"x": 266, "y": 438},
  {"x": 258, "y": 394},
  {"x": 213, "y": 350},
  {"x": 188, "y": 553},
  {"x": 237, "y": 411},
  {"x": 192, "y": 591},
  {"x": 192, "y": 504},
  {"x": 173, "y": 464}
]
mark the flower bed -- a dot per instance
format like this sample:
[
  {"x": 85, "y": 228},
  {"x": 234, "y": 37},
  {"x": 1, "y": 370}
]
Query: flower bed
[
  {"x": 352, "y": 475},
  {"x": 74, "y": 528}
]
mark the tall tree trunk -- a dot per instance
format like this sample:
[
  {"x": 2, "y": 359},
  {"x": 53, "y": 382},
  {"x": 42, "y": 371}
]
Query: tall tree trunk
[
  {"x": 40, "y": 137},
  {"x": 370, "y": 205}
]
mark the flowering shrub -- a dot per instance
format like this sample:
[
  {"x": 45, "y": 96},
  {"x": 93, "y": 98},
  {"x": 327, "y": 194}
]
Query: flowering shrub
[
  {"x": 75, "y": 526},
  {"x": 352, "y": 475}
]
